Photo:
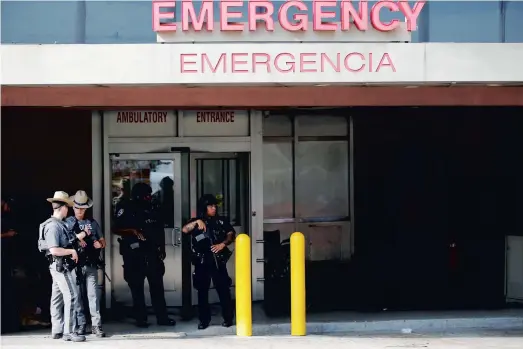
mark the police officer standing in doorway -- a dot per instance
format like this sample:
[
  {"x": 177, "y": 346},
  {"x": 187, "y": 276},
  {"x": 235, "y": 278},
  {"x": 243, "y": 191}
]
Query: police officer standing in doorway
[
  {"x": 87, "y": 271},
  {"x": 211, "y": 235},
  {"x": 142, "y": 246},
  {"x": 163, "y": 201},
  {"x": 55, "y": 240}
]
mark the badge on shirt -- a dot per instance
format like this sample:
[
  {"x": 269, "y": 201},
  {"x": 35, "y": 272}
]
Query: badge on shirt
[
  {"x": 120, "y": 212},
  {"x": 199, "y": 237}
]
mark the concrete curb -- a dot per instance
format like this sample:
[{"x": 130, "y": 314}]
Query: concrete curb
[
  {"x": 319, "y": 328},
  {"x": 416, "y": 325}
]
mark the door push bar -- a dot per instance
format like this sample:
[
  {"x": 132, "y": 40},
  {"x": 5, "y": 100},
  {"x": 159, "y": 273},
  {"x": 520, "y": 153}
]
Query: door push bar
[{"x": 176, "y": 237}]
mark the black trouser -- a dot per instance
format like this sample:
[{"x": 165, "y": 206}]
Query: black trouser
[
  {"x": 203, "y": 273},
  {"x": 137, "y": 267}
]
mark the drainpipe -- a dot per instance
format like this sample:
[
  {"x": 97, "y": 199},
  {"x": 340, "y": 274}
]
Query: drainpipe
[
  {"x": 81, "y": 16},
  {"x": 503, "y": 14}
]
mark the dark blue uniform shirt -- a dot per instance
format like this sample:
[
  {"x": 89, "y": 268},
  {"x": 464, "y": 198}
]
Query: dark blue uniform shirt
[
  {"x": 130, "y": 214},
  {"x": 216, "y": 232}
]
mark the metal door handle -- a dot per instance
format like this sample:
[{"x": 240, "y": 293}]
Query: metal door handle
[
  {"x": 176, "y": 237},
  {"x": 324, "y": 226}
]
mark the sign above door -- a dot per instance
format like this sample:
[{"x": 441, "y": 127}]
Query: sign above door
[
  {"x": 141, "y": 123},
  {"x": 217, "y": 123}
]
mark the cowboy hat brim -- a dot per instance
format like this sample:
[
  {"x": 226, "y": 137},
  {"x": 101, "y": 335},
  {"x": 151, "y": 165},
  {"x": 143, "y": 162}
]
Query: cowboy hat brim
[
  {"x": 88, "y": 204},
  {"x": 68, "y": 202}
]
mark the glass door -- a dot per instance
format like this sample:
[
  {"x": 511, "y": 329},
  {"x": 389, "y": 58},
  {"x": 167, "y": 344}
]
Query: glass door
[
  {"x": 226, "y": 176},
  {"x": 163, "y": 173}
]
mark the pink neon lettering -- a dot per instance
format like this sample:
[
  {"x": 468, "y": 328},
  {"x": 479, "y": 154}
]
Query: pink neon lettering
[
  {"x": 304, "y": 61},
  {"x": 361, "y": 17},
  {"x": 157, "y": 16},
  {"x": 266, "y": 61},
  {"x": 207, "y": 62},
  {"x": 226, "y": 15},
  {"x": 286, "y": 63},
  {"x": 348, "y": 57},
  {"x": 236, "y": 61},
  {"x": 319, "y": 14},
  {"x": 204, "y": 16},
  {"x": 324, "y": 58},
  {"x": 385, "y": 61},
  {"x": 183, "y": 63},
  {"x": 291, "y": 66},
  {"x": 301, "y": 18},
  {"x": 375, "y": 16},
  {"x": 266, "y": 16},
  {"x": 411, "y": 14}
]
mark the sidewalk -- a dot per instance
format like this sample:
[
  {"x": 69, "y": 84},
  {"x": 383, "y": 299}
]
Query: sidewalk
[
  {"x": 326, "y": 323},
  {"x": 457, "y": 340}
]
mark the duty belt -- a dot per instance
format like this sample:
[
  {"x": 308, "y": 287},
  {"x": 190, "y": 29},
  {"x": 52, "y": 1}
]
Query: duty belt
[{"x": 90, "y": 263}]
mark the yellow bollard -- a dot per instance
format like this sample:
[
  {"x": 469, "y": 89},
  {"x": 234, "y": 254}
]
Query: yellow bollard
[
  {"x": 298, "y": 325},
  {"x": 243, "y": 286}
]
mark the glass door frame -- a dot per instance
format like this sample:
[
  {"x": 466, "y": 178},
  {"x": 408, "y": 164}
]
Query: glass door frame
[
  {"x": 245, "y": 223},
  {"x": 193, "y": 172},
  {"x": 176, "y": 240}
]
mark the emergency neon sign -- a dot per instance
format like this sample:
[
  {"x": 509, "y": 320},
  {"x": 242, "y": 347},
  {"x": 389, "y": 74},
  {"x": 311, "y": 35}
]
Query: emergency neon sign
[{"x": 291, "y": 15}]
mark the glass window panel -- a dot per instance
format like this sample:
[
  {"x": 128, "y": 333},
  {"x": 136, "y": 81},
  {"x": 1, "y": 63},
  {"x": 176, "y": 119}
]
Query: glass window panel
[
  {"x": 234, "y": 196},
  {"x": 277, "y": 125},
  {"x": 211, "y": 178},
  {"x": 52, "y": 22},
  {"x": 277, "y": 180},
  {"x": 312, "y": 125},
  {"x": 464, "y": 21},
  {"x": 322, "y": 179},
  {"x": 513, "y": 26},
  {"x": 219, "y": 178},
  {"x": 157, "y": 173}
]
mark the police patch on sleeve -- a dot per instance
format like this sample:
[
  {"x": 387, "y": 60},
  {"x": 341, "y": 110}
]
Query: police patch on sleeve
[{"x": 120, "y": 212}]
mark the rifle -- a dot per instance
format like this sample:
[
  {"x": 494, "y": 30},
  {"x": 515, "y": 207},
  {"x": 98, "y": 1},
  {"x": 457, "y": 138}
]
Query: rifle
[
  {"x": 101, "y": 266},
  {"x": 202, "y": 243}
]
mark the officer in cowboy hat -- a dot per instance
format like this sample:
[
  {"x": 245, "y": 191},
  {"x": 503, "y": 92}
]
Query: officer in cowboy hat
[
  {"x": 55, "y": 240},
  {"x": 88, "y": 281}
]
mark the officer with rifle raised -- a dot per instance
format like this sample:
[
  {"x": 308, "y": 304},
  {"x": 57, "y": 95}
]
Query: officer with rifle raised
[{"x": 90, "y": 261}]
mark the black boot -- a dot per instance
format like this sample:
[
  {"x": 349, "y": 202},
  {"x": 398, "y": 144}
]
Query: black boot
[
  {"x": 142, "y": 324},
  {"x": 166, "y": 322},
  {"x": 98, "y": 332},
  {"x": 203, "y": 325},
  {"x": 74, "y": 337},
  {"x": 227, "y": 323}
]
